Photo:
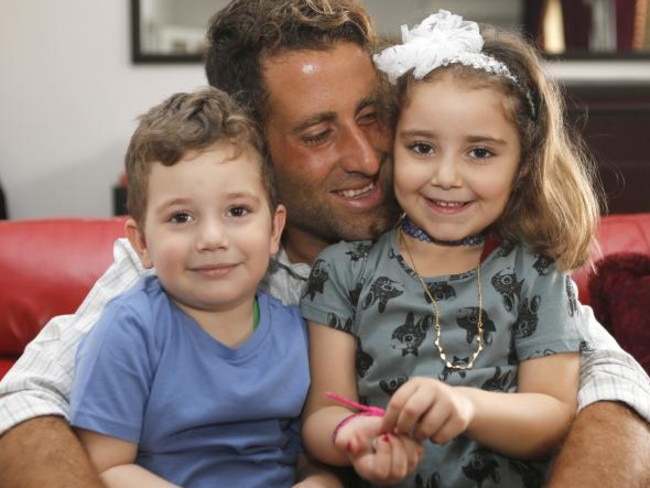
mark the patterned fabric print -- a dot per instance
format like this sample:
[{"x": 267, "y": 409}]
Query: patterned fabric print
[{"x": 370, "y": 292}]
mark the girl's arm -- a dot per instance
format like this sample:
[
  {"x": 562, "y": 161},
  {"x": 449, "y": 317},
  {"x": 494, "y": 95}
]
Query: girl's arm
[
  {"x": 360, "y": 442},
  {"x": 332, "y": 368},
  {"x": 114, "y": 460},
  {"x": 533, "y": 421},
  {"x": 527, "y": 424}
]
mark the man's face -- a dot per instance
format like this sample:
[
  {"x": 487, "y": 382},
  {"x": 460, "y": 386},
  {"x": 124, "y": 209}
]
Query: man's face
[{"x": 327, "y": 144}]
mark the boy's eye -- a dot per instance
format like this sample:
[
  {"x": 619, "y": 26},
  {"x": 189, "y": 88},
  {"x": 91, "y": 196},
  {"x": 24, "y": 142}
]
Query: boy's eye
[
  {"x": 181, "y": 218},
  {"x": 238, "y": 211}
]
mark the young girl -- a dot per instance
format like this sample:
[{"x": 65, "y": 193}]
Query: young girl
[{"x": 461, "y": 321}]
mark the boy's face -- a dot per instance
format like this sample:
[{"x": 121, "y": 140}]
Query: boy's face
[
  {"x": 327, "y": 145},
  {"x": 208, "y": 228}
]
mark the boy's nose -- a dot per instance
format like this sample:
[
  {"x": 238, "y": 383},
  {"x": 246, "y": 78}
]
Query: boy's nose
[{"x": 212, "y": 235}]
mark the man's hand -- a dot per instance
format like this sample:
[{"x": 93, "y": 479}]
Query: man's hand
[{"x": 45, "y": 452}]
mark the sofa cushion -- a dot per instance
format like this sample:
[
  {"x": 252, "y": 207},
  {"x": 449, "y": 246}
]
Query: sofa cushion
[
  {"x": 620, "y": 297},
  {"x": 5, "y": 364},
  {"x": 616, "y": 234},
  {"x": 47, "y": 268}
]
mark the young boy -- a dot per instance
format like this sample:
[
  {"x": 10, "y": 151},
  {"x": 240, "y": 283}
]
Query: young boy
[{"x": 194, "y": 377}]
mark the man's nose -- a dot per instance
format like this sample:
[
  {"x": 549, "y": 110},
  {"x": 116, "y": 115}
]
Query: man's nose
[{"x": 361, "y": 150}]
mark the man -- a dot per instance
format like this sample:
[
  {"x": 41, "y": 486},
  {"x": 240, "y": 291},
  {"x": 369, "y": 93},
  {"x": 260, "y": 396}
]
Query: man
[{"x": 303, "y": 69}]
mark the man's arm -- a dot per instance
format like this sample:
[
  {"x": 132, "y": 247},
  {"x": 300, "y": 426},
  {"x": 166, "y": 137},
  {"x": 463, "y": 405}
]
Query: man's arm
[
  {"x": 45, "y": 452},
  {"x": 609, "y": 441},
  {"x": 608, "y": 445},
  {"x": 37, "y": 447}
]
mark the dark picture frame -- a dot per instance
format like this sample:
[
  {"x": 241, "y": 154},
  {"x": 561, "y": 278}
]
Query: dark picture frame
[
  {"x": 530, "y": 25},
  {"x": 140, "y": 56}
]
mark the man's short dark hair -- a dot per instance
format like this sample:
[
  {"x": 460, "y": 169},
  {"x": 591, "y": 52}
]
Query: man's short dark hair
[{"x": 245, "y": 31}]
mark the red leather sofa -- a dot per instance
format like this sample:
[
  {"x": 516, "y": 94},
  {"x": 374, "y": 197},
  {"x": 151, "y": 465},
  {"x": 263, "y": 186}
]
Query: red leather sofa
[{"x": 47, "y": 267}]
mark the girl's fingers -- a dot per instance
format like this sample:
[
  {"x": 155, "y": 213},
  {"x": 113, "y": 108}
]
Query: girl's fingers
[
  {"x": 398, "y": 457},
  {"x": 389, "y": 462},
  {"x": 406, "y": 406},
  {"x": 414, "y": 450}
]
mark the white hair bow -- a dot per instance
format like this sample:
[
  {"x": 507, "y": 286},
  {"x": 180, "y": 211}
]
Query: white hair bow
[{"x": 439, "y": 40}]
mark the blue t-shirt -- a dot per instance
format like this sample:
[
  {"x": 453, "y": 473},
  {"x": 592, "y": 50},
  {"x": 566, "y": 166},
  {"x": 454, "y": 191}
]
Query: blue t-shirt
[{"x": 203, "y": 414}]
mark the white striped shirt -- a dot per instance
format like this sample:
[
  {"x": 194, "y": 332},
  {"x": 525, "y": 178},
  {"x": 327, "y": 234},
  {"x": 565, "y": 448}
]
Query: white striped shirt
[{"x": 40, "y": 381}]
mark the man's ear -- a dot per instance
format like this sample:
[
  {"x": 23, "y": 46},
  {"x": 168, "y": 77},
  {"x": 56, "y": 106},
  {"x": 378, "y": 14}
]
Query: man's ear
[
  {"x": 138, "y": 242},
  {"x": 277, "y": 223}
]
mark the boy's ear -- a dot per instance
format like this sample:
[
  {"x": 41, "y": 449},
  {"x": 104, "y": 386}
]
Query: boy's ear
[
  {"x": 277, "y": 223},
  {"x": 138, "y": 242}
]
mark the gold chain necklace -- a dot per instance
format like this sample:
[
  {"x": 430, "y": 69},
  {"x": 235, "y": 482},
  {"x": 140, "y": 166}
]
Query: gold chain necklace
[{"x": 469, "y": 364}]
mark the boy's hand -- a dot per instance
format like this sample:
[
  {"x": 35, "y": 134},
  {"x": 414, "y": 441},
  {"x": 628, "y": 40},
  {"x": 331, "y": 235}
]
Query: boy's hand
[
  {"x": 428, "y": 409},
  {"x": 378, "y": 457}
]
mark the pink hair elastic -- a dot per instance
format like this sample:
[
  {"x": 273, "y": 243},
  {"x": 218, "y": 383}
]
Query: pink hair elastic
[{"x": 363, "y": 410}]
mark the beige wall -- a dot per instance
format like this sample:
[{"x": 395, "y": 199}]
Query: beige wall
[{"x": 69, "y": 96}]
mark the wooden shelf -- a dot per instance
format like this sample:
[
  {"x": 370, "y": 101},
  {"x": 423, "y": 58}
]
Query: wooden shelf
[{"x": 615, "y": 122}]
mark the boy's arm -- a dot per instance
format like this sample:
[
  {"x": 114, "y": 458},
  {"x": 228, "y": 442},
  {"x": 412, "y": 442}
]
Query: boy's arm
[
  {"x": 114, "y": 459},
  {"x": 312, "y": 474}
]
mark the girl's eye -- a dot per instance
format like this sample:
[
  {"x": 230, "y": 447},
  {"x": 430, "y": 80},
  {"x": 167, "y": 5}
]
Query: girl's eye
[
  {"x": 421, "y": 148},
  {"x": 238, "y": 211},
  {"x": 181, "y": 218},
  {"x": 481, "y": 153}
]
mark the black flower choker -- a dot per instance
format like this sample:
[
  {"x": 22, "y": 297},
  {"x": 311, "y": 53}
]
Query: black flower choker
[{"x": 412, "y": 230}]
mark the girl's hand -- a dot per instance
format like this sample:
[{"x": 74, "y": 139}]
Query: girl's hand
[
  {"x": 378, "y": 457},
  {"x": 428, "y": 409}
]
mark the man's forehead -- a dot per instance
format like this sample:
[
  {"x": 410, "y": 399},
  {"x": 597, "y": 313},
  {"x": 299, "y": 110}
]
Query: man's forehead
[
  {"x": 308, "y": 68},
  {"x": 314, "y": 62},
  {"x": 341, "y": 76}
]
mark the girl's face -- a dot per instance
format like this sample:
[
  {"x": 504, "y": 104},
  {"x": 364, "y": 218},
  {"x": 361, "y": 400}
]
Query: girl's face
[{"x": 456, "y": 157}]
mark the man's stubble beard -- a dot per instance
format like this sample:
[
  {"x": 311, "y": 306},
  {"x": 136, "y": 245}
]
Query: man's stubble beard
[{"x": 315, "y": 215}]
